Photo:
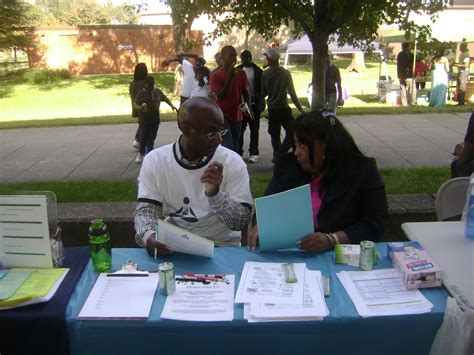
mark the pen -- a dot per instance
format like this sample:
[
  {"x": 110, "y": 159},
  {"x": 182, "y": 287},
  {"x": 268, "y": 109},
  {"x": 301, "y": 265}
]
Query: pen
[
  {"x": 217, "y": 276},
  {"x": 156, "y": 251},
  {"x": 193, "y": 280},
  {"x": 203, "y": 277},
  {"x": 127, "y": 275}
]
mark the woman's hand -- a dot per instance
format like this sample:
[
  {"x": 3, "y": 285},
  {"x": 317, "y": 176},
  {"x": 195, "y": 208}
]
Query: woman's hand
[
  {"x": 315, "y": 243},
  {"x": 458, "y": 149},
  {"x": 252, "y": 238}
]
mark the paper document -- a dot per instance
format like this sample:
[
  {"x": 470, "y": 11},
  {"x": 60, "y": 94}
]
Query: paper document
[
  {"x": 120, "y": 297},
  {"x": 12, "y": 282},
  {"x": 183, "y": 241},
  {"x": 313, "y": 306},
  {"x": 24, "y": 232},
  {"x": 201, "y": 301},
  {"x": 265, "y": 283},
  {"x": 284, "y": 218},
  {"x": 39, "y": 287},
  {"x": 381, "y": 293}
]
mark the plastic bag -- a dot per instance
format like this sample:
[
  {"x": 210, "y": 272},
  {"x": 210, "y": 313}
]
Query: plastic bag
[
  {"x": 456, "y": 334},
  {"x": 468, "y": 194}
]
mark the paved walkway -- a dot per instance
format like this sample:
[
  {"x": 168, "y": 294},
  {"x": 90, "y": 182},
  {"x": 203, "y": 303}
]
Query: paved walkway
[{"x": 105, "y": 152}]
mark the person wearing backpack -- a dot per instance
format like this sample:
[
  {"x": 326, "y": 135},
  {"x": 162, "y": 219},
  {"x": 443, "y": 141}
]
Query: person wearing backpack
[{"x": 147, "y": 102}]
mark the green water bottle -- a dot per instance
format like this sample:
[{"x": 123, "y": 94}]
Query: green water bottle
[{"x": 99, "y": 241}]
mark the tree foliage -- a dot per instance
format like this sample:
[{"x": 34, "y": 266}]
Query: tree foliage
[
  {"x": 13, "y": 20},
  {"x": 85, "y": 12},
  {"x": 356, "y": 22},
  {"x": 183, "y": 14}
]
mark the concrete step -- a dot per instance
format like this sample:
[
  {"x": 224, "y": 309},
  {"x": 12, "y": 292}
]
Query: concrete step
[{"x": 75, "y": 218}]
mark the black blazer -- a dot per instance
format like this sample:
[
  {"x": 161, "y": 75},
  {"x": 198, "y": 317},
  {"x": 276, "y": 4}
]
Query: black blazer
[
  {"x": 355, "y": 202},
  {"x": 257, "y": 84}
]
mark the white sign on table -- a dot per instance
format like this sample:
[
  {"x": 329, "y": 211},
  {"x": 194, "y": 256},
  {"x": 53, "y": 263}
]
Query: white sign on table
[{"x": 24, "y": 232}]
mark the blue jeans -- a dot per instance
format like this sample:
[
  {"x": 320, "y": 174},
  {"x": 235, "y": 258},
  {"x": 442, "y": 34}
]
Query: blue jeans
[
  {"x": 231, "y": 139},
  {"x": 254, "y": 126},
  {"x": 148, "y": 136}
]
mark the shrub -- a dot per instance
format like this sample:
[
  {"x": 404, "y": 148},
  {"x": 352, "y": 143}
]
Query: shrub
[{"x": 45, "y": 75}]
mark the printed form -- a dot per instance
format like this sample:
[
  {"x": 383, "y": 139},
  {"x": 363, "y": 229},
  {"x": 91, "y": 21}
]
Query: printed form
[
  {"x": 313, "y": 306},
  {"x": 381, "y": 293},
  {"x": 201, "y": 301},
  {"x": 265, "y": 283},
  {"x": 120, "y": 297}
]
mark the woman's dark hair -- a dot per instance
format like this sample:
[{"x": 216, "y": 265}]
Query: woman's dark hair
[
  {"x": 205, "y": 70},
  {"x": 439, "y": 54},
  {"x": 140, "y": 72},
  {"x": 340, "y": 146}
]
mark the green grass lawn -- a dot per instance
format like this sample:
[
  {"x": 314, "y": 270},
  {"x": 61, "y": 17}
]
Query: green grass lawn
[
  {"x": 103, "y": 99},
  {"x": 397, "y": 181}
]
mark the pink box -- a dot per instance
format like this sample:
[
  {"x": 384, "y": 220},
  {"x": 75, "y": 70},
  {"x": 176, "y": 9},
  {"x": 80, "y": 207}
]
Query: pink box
[{"x": 414, "y": 264}]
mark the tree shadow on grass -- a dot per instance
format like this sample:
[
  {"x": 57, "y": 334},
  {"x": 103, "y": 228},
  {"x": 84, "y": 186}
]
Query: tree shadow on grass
[
  {"x": 367, "y": 98},
  {"x": 163, "y": 81}
]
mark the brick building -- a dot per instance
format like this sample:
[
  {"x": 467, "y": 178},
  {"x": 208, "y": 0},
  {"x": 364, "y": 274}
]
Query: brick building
[{"x": 103, "y": 49}]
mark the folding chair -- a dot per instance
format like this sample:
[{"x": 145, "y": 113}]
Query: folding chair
[{"x": 451, "y": 198}]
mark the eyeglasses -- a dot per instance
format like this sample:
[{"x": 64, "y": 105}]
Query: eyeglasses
[{"x": 213, "y": 135}]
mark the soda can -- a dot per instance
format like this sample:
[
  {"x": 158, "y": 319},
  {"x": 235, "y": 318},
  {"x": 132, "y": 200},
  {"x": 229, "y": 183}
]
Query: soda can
[
  {"x": 167, "y": 280},
  {"x": 366, "y": 257}
]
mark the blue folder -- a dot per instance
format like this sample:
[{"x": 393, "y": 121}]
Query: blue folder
[{"x": 284, "y": 218}]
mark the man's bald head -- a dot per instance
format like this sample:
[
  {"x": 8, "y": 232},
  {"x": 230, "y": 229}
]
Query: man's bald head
[{"x": 198, "y": 111}]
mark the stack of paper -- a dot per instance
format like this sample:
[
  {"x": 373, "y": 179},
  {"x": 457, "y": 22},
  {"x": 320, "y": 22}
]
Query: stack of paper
[
  {"x": 268, "y": 297},
  {"x": 39, "y": 286},
  {"x": 206, "y": 299},
  {"x": 382, "y": 293},
  {"x": 118, "y": 297}
]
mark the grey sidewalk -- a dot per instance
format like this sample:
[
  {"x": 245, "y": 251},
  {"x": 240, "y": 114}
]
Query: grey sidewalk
[{"x": 105, "y": 152}]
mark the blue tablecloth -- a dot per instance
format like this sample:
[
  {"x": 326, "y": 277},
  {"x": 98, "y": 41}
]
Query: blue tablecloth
[
  {"x": 342, "y": 332},
  {"x": 41, "y": 328}
]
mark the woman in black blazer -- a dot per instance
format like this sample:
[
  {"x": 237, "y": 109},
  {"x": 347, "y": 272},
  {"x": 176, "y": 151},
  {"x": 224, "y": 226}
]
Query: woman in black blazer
[{"x": 348, "y": 195}]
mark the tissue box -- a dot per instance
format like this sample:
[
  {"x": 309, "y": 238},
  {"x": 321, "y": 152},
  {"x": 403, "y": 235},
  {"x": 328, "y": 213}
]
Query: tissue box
[{"x": 415, "y": 265}]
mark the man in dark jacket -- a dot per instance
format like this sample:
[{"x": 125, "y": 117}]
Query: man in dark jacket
[
  {"x": 277, "y": 83},
  {"x": 254, "y": 75},
  {"x": 405, "y": 75}
]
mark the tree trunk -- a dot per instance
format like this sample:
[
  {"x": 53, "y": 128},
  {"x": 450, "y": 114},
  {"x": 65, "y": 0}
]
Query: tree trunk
[
  {"x": 181, "y": 32},
  {"x": 320, "y": 51},
  {"x": 357, "y": 63}
]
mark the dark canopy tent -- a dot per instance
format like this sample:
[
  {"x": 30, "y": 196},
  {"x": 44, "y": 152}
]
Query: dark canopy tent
[{"x": 303, "y": 46}]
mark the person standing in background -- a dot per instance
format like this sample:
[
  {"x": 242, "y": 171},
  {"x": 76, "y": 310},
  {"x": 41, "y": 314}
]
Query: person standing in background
[
  {"x": 139, "y": 75},
  {"x": 439, "y": 80},
  {"x": 420, "y": 73},
  {"x": 333, "y": 87},
  {"x": 254, "y": 76},
  {"x": 277, "y": 83},
  {"x": 189, "y": 72},
  {"x": 229, "y": 87},
  {"x": 202, "y": 88},
  {"x": 147, "y": 102},
  {"x": 405, "y": 75},
  {"x": 463, "y": 74}
]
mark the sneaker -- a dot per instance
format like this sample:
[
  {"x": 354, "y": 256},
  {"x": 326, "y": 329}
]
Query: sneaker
[
  {"x": 253, "y": 159},
  {"x": 139, "y": 159},
  {"x": 136, "y": 144}
]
